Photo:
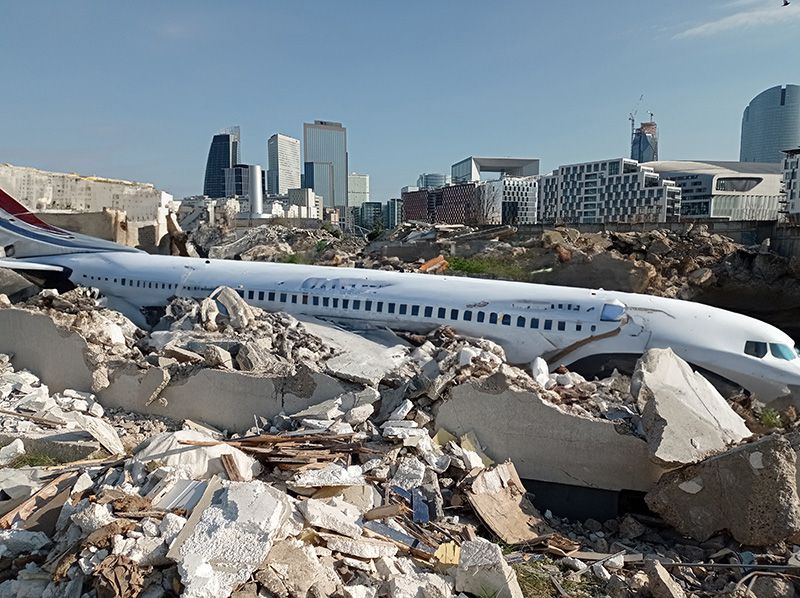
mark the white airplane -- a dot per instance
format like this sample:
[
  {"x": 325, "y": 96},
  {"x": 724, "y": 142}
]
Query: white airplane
[{"x": 581, "y": 328}]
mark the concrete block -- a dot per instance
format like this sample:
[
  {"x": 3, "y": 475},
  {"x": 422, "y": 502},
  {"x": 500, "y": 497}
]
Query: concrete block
[
  {"x": 224, "y": 399},
  {"x": 325, "y": 516},
  {"x": 750, "y": 490},
  {"x": 544, "y": 442},
  {"x": 483, "y": 570},
  {"x": 684, "y": 417},
  {"x": 364, "y": 548},
  {"x": 57, "y": 356}
]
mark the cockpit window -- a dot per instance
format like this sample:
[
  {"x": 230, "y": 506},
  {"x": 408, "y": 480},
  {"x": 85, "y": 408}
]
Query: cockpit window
[
  {"x": 612, "y": 312},
  {"x": 782, "y": 351},
  {"x": 755, "y": 348}
]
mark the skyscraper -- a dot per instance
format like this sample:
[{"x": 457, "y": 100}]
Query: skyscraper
[
  {"x": 357, "y": 189},
  {"x": 283, "y": 160},
  {"x": 223, "y": 153},
  {"x": 325, "y": 157},
  {"x": 644, "y": 144},
  {"x": 771, "y": 124}
]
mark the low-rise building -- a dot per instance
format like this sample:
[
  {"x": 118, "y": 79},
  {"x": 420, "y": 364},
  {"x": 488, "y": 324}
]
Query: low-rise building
[
  {"x": 617, "y": 190},
  {"x": 43, "y": 191},
  {"x": 791, "y": 182},
  {"x": 726, "y": 190},
  {"x": 508, "y": 200},
  {"x": 309, "y": 202}
]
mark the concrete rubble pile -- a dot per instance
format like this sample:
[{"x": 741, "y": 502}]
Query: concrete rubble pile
[
  {"x": 278, "y": 243},
  {"x": 392, "y": 484}
]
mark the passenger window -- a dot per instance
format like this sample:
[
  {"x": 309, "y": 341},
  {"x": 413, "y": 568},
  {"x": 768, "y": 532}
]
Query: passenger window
[
  {"x": 506, "y": 320},
  {"x": 379, "y": 307},
  {"x": 520, "y": 322},
  {"x": 294, "y": 298},
  {"x": 441, "y": 313},
  {"x": 336, "y": 302},
  {"x": 261, "y": 295},
  {"x": 454, "y": 314},
  {"x": 578, "y": 327},
  {"x": 367, "y": 305},
  {"x": 345, "y": 303},
  {"x": 271, "y": 296},
  {"x": 325, "y": 302},
  {"x": 492, "y": 318},
  {"x": 548, "y": 324},
  {"x": 403, "y": 309},
  {"x": 467, "y": 315},
  {"x": 356, "y": 304},
  {"x": 239, "y": 291},
  {"x": 755, "y": 348},
  {"x": 481, "y": 316},
  {"x": 391, "y": 308},
  {"x": 251, "y": 294},
  {"x": 415, "y": 310},
  {"x": 428, "y": 311},
  {"x": 305, "y": 299},
  {"x": 562, "y": 325},
  {"x": 123, "y": 280},
  {"x": 283, "y": 297},
  {"x": 315, "y": 300},
  {"x": 560, "y": 306},
  {"x": 534, "y": 322},
  {"x": 150, "y": 285}
]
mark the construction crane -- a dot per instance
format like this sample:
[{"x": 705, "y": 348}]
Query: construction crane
[{"x": 632, "y": 115}]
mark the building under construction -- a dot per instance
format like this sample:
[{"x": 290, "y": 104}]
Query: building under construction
[{"x": 644, "y": 142}]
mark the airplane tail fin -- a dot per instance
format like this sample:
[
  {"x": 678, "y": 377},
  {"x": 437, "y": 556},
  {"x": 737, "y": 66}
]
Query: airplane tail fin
[{"x": 24, "y": 235}]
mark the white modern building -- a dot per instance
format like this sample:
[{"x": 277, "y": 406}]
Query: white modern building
[
  {"x": 508, "y": 200},
  {"x": 791, "y": 182},
  {"x": 470, "y": 169},
  {"x": 283, "y": 163},
  {"x": 310, "y": 203},
  {"x": 45, "y": 191},
  {"x": 357, "y": 189},
  {"x": 243, "y": 182},
  {"x": 726, "y": 190},
  {"x": 617, "y": 190}
]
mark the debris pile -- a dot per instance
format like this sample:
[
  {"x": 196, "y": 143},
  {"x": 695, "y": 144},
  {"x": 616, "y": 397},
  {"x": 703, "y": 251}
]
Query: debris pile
[{"x": 371, "y": 491}]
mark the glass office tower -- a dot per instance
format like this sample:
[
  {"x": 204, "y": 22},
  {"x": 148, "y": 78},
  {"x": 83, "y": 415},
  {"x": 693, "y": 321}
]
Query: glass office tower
[
  {"x": 325, "y": 157},
  {"x": 771, "y": 124},
  {"x": 223, "y": 153}
]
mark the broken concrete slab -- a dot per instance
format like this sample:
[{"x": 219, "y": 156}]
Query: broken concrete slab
[
  {"x": 199, "y": 462},
  {"x": 14, "y": 542},
  {"x": 751, "y": 491},
  {"x": 483, "y": 570},
  {"x": 500, "y": 500},
  {"x": 39, "y": 345},
  {"x": 101, "y": 430},
  {"x": 291, "y": 568},
  {"x": 223, "y": 544},
  {"x": 330, "y": 475},
  {"x": 685, "y": 418},
  {"x": 239, "y": 312},
  {"x": 544, "y": 442},
  {"x": 11, "y": 451},
  {"x": 224, "y": 399},
  {"x": 660, "y": 582},
  {"x": 409, "y": 473}
]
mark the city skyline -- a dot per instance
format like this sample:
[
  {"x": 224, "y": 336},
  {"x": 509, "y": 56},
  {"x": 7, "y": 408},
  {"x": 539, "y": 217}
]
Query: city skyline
[{"x": 142, "y": 109}]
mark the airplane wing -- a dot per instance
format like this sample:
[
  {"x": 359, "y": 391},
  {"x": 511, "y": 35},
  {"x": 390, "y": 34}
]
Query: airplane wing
[{"x": 23, "y": 265}]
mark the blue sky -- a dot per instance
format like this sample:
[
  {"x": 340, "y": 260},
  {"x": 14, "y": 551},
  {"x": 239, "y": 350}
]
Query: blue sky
[{"x": 136, "y": 90}]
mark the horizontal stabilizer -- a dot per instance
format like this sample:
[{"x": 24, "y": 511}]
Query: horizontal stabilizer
[{"x": 23, "y": 265}]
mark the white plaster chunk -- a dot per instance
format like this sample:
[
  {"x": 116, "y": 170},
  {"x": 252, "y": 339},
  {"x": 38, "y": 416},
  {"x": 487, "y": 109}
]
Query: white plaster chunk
[
  {"x": 330, "y": 475},
  {"x": 402, "y": 410},
  {"x": 409, "y": 474},
  {"x": 483, "y": 569},
  {"x": 364, "y": 548},
  {"x": 92, "y": 516},
  {"x": 231, "y": 538},
  {"x": 320, "y": 514}
]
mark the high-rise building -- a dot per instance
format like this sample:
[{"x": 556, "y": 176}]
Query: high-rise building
[
  {"x": 791, "y": 181},
  {"x": 223, "y": 153},
  {"x": 644, "y": 143},
  {"x": 357, "y": 189},
  {"x": 617, "y": 190},
  {"x": 283, "y": 160},
  {"x": 393, "y": 215},
  {"x": 431, "y": 180},
  {"x": 771, "y": 124},
  {"x": 371, "y": 214},
  {"x": 325, "y": 159},
  {"x": 730, "y": 190}
]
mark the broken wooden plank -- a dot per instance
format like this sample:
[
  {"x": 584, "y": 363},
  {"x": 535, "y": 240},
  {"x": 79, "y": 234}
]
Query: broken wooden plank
[
  {"x": 231, "y": 468},
  {"x": 499, "y": 499},
  {"x": 384, "y": 511},
  {"x": 44, "y": 494},
  {"x": 35, "y": 419}
]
